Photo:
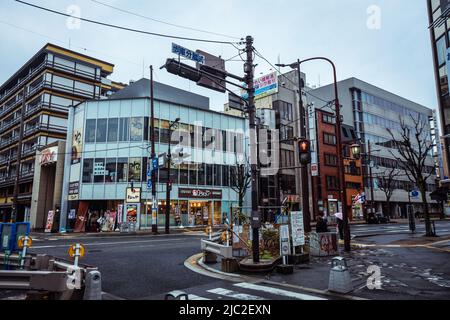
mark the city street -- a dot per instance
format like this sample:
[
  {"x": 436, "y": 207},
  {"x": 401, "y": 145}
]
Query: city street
[{"x": 148, "y": 267}]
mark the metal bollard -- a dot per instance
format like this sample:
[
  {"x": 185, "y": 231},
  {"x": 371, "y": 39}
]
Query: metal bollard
[
  {"x": 93, "y": 286},
  {"x": 176, "y": 295},
  {"x": 340, "y": 280}
]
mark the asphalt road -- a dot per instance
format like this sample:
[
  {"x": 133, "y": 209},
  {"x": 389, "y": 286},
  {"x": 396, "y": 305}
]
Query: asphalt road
[
  {"x": 135, "y": 267},
  {"x": 442, "y": 229}
]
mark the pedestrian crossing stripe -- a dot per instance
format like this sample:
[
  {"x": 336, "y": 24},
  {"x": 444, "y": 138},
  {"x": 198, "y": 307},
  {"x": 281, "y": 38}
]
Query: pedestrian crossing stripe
[
  {"x": 276, "y": 291},
  {"x": 194, "y": 297},
  {"x": 234, "y": 294}
]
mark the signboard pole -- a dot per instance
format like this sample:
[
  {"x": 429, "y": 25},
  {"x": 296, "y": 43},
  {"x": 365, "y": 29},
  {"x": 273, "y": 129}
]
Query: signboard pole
[{"x": 153, "y": 156}]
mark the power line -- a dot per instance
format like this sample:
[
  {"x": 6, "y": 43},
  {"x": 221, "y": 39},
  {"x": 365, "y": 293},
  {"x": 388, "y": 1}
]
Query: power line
[
  {"x": 164, "y": 22},
  {"x": 124, "y": 28}
]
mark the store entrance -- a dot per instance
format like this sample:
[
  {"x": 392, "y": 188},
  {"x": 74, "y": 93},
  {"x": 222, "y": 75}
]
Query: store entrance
[{"x": 200, "y": 213}]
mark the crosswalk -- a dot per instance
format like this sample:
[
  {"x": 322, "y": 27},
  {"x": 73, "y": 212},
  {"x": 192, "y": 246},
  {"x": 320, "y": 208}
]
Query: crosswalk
[{"x": 248, "y": 291}]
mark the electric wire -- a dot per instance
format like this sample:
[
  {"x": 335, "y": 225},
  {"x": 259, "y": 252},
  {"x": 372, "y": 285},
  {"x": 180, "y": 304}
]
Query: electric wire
[
  {"x": 164, "y": 22},
  {"x": 122, "y": 27}
]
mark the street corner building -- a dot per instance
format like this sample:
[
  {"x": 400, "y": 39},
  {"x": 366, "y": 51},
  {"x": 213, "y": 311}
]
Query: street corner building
[
  {"x": 34, "y": 106},
  {"x": 368, "y": 111},
  {"x": 108, "y": 168}
]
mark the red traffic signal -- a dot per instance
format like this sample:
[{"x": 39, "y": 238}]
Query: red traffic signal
[{"x": 304, "y": 151}]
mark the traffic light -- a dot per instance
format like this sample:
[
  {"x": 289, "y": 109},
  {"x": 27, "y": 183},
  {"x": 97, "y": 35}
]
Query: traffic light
[
  {"x": 304, "y": 151},
  {"x": 182, "y": 70}
]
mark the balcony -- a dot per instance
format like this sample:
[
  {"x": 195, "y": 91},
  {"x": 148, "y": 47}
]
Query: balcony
[
  {"x": 28, "y": 151},
  {"x": 33, "y": 109},
  {"x": 29, "y": 173},
  {"x": 9, "y": 141},
  {"x": 6, "y": 160},
  {"x": 8, "y": 124},
  {"x": 43, "y": 127},
  {"x": 48, "y": 64},
  {"x": 10, "y": 106}
]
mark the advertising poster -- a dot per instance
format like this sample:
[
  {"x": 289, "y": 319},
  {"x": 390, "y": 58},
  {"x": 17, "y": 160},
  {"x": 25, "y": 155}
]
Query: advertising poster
[
  {"x": 49, "y": 224},
  {"x": 120, "y": 214},
  {"x": 77, "y": 143},
  {"x": 132, "y": 213}
]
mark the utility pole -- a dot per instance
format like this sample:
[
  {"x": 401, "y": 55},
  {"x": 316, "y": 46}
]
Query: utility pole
[
  {"x": 249, "y": 75},
  {"x": 153, "y": 156},
  {"x": 372, "y": 200},
  {"x": 303, "y": 167}
]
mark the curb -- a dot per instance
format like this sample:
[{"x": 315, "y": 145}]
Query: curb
[{"x": 198, "y": 260}]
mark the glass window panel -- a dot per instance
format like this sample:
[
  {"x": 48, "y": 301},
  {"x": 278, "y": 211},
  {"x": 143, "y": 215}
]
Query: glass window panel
[
  {"x": 99, "y": 171},
  {"x": 90, "y": 130},
  {"x": 88, "y": 170},
  {"x": 201, "y": 174},
  {"x": 122, "y": 170},
  {"x": 124, "y": 129},
  {"x": 113, "y": 129},
  {"x": 134, "y": 169},
  {"x": 193, "y": 168},
  {"x": 111, "y": 170},
  {"x": 441, "y": 48},
  {"x": 136, "y": 129},
  {"x": 101, "y": 130}
]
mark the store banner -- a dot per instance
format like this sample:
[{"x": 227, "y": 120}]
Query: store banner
[{"x": 50, "y": 219}]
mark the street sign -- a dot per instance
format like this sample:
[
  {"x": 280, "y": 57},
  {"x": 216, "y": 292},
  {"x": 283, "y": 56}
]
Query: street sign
[
  {"x": 298, "y": 230},
  {"x": 415, "y": 194},
  {"x": 155, "y": 164},
  {"x": 149, "y": 184},
  {"x": 285, "y": 248},
  {"x": 186, "y": 53}
]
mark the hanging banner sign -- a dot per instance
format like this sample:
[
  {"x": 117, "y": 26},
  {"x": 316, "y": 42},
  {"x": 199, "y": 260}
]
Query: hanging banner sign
[{"x": 49, "y": 224}]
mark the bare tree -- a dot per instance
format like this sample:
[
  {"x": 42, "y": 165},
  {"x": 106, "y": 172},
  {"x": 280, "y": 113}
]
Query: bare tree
[
  {"x": 414, "y": 148},
  {"x": 240, "y": 182},
  {"x": 386, "y": 183}
]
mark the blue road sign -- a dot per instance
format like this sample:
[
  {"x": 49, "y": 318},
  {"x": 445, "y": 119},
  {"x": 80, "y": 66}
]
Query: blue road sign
[
  {"x": 191, "y": 55},
  {"x": 415, "y": 194},
  {"x": 155, "y": 164},
  {"x": 149, "y": 184}
]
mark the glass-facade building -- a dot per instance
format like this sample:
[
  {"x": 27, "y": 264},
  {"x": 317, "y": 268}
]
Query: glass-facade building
[
  {"x": 111, "y": 150},
  {"x": 439, "y": 20}
]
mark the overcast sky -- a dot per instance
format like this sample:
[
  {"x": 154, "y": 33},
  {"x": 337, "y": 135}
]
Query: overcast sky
[{"x": 393, "y": 53}]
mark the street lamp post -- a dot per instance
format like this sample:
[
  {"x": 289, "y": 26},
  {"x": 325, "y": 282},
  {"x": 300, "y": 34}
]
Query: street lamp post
[
  {"x": 343, "y": 191},
  {"x": 169, "y": 181}
]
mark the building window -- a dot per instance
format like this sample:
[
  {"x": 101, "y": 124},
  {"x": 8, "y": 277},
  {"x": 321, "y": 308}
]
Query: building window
[
  {"x": 330, "y": 160},
  {"x": 217, "y": 175},
  {"x": 193, "y": 168},
  {"x": 111, "y": 170},
  {"x": 122, "y": 170},
  {"x": 134, "y": 170},
  {"x": 329, "y": 139},
  {"x": 88, "y": 170},
  {"x": 184, "y": 173},
  {"x": 164, "y": 131},
  {"x": 285, "y": 110},
  {"x": 332, "y": 183},
  {"x": 124, "y": 129},
  {"x": 226, "y": 176},
  {"x": 136, "y": 129},
  {"x": 353, "y": 185},
  {"x": 328, "y": 118},
  {"x": 201, "y": 174},
  {"x": 113, "y": 129},
  {"x": 101, "y": 130},
  {"x": 90, "y": 130},
  {"x": 441, "y": 48},
  {"x": 209, "y": 174},
  {"x": 99, "y": 171}
]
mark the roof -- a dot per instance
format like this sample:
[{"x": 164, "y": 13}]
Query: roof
[{"x": 162, "y": 92}]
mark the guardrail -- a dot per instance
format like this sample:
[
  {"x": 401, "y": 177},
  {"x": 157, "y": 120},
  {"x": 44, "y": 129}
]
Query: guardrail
[{"x": 62, "y": 279}]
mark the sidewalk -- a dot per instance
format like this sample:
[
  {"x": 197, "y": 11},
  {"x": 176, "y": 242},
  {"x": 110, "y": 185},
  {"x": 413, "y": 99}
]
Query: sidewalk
[{"x": 408, "y": 272}]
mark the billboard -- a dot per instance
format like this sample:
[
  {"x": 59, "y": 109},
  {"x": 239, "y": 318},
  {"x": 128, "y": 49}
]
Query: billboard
[
  {"x": 264, "y": 86},
  {"x": 49, "y": 155}
]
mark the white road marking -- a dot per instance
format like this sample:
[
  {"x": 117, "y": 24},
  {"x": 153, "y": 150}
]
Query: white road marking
[
  {"x": 234, "y": 294},
  {"x": 275, "y": 291},
  {"x": 194, "y": 297},
  {"x": 107, "y": 243}
]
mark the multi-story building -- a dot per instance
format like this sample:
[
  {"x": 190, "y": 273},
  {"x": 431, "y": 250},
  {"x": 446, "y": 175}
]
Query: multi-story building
[
  {"x": 110, "y": 157},
  {"x": 371, "y": 111},
  {"x": 34, "y": 105},
  {"x": 438, "y": 14},
  {"x": 324, "y": 169}
]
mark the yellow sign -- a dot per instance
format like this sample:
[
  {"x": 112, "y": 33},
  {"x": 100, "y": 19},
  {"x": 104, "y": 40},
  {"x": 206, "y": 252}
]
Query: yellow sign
[
  {"x": 21, "y": 242},
  {"x": 73, "y": 249}
]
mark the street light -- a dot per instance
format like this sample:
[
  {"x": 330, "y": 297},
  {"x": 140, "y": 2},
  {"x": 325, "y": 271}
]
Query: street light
[
  {"x": 343, "y": 193},
  {"x": 174, "y": 124}
]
